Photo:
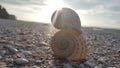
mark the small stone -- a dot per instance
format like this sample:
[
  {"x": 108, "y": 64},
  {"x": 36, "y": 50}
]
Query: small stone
[
  {"x": 20, "y": 55},
  {"x": 98, "y": 67},
  {"x": 101, "y": 60},
  {"x": 90, "y": 65},
  {"x": 22, "y": 67},
  {"x": 2, "y": 52},
  {"x": 53, "y": 66},
  {"x": 118, "y": 51},
  {"x": 29, "y": 46},
  {"x": 19, "y": 45},
  {"x": 81, "y": 66},
  {"x": 42, "y": 44},
  {"x": 0, "y": 57},
  {"x": 25, "y": 38},
  {"x": 11, "y": 49},
  {"x": 111, "y": 67},
  {"x": 21, "y": 61},
  {"x": 3, "y": 41},
  {"x": 2, "y": 65},
  {"x": 50, "y": 62},
  {"x": 39, "y": 62},
  {"x": 26, "y": 53},
  {"x": 34, "y": 66},
  {"x": 8, "y": 59},
  {"x": 99, "y": 54},
  {"x": 21, "y": 33},
  {"x": 67, "y": 66}
]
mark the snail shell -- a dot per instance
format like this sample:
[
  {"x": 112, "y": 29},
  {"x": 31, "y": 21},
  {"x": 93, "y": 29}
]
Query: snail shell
[
  {"x": 69, "y": 44},
  {"x": 66, "y": 18}
]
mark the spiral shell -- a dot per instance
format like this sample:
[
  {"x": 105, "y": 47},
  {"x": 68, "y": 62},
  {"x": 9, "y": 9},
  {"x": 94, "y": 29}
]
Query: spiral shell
[
  {"x": 69, "y": 44},
  {"x": 66, "y": 18}
]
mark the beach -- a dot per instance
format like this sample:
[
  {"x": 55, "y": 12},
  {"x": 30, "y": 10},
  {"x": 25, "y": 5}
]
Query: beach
[{"x": 27, "y": 45}]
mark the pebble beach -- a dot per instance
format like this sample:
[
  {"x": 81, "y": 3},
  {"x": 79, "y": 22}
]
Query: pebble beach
[{"x": 27, "y": 45}]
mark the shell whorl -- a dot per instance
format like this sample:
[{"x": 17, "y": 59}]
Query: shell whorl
[
  {"x": 66, "y": 18},
  {"x": 69, "y": 44}
]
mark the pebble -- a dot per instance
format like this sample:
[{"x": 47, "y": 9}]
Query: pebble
[
  {"x": 39, "y": 62},
  {"x": 21, "y": 61},
  {"x": 53, "y": 66},
  {"x": 3, "y": 41},
  {"x": 29, "y": 46},
  {"x": 21, "y": 67},
  {"x": 90, "y": 65},
  {"x": 34, "y": 66},
  {"x": 0, "y": 57},
  {"x": 8, "y": 59},
  {"x": 81, "y": 66},
  {"x": 111, "y": 67},
  {"x": 43, "y": 44},
  {"x": 67, "y": 66},
  {"x": 26, "y": 53},
  {"x": 2, "y": 52},
  {"x": 21, "y": 55},
  {"x": 98, "y": 67},
  {"x": 2, "y": 65},
  {"x": 11, "y": 49},
  {"x": 101, "y": 60},
  {"x": 19, "y": 45},
  {"x": 118, "y": 51},
  {"x": 99, "y": 53}
]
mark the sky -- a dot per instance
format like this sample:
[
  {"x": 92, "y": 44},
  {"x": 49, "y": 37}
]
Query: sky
[{"x": 93, "y": 13}]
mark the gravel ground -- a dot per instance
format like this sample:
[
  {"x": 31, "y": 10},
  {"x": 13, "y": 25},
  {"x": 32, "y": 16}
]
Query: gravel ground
[{"x": 26, "y": 45}]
